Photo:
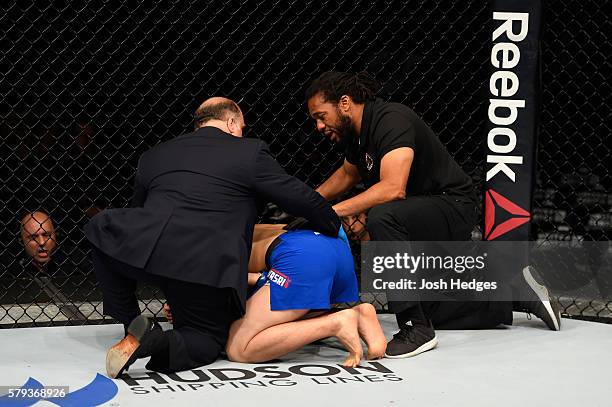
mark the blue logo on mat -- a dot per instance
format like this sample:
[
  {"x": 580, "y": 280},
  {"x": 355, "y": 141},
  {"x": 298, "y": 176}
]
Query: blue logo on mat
[{"x": 100, "y": 390}]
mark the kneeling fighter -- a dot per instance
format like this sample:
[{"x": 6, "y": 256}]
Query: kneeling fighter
[{"x": 305, "y": 272}]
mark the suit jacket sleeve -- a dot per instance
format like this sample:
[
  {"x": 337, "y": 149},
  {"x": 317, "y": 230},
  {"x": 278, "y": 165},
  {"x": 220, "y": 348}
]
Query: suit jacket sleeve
[
  {"x": 291, "y": 194},
  {"x": 140, "y": 191}
]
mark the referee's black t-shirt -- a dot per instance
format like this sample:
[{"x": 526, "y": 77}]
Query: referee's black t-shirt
[{"x": 387, "y": 126}]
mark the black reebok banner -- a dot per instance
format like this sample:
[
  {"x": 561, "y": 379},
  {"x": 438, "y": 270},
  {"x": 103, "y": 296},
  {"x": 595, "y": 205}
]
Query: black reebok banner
[{"x": 512, "y": 118}]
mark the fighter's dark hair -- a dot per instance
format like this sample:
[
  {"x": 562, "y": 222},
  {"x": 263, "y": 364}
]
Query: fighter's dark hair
[
  {"x": 333, "y": 85},
  {"x": 215, "y": 111}
]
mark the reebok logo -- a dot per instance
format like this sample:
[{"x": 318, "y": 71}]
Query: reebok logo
[
  {"x": 503, "y": 85},
  {"x": 493, "y": 203}
]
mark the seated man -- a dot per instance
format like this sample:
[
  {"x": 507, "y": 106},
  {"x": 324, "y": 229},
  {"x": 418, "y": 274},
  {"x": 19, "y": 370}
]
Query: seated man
[
  {"x": 46, "y": 265},
  {"x": 39, "y": 239},
  {"x": 478, "y": 314},
  {"x": 305, "y": 271}
]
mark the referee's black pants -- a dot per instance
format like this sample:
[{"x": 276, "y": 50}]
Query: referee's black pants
[
  {"x": 201, "y": 314},
  {"x": 435, "y": 218}
]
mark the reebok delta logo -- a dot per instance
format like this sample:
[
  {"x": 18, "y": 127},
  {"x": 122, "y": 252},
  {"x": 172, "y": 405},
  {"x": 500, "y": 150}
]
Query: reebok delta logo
[
  {"x": 493, "y": 203},
  {"x": 279, "y": 278}
]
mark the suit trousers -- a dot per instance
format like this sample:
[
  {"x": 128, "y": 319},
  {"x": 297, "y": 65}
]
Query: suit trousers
[
  {"x": 202, "y": 315},
  {"x": 435, "y": 218}
]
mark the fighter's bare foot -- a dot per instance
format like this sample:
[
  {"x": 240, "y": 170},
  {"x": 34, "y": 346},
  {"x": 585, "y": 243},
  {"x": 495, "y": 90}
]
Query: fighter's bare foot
[
  {"x": 347, "y": 334},
  {"x": 371, "y": 331}
]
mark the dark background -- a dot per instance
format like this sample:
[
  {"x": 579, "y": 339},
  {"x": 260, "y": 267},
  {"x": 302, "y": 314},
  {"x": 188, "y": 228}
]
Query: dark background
[{"x": 86, "y": 89}]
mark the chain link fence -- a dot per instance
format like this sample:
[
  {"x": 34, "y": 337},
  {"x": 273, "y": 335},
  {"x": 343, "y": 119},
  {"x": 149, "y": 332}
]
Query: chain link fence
[
  {"x": 86, "y": 89},
  {"x": 573, "y": 202}
]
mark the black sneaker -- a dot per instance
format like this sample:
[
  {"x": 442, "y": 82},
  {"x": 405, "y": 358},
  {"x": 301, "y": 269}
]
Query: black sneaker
[
  {"x": 144, "y": 337},
  {"x": 535, "y": 299},
  {"x": 412, "y": 339}
]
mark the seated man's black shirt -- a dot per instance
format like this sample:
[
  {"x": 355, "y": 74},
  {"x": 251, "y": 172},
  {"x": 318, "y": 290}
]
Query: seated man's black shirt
[{"x": 388, "y": 126}]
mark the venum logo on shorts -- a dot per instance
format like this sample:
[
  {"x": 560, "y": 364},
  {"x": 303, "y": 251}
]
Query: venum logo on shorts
[
  {"x": 278, "y": 278},
  {"x": 369, "y": 161}
]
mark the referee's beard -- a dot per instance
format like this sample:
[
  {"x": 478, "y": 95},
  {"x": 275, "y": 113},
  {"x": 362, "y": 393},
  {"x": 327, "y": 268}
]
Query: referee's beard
[{"x": 345, "y": 130}]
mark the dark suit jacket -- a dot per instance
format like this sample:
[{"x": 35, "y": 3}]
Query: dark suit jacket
[{"x": 195, "y": 208}]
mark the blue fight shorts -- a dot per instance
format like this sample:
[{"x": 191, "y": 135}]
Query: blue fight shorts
[{"x": 308, "y": 270}]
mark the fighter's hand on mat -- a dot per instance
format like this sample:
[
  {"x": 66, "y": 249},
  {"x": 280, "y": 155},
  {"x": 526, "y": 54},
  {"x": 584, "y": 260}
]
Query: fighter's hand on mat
[{"x": 167, "y": 312}]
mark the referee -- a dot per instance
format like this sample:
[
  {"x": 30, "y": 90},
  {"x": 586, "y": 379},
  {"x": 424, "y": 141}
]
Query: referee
[{"x": 414, "y": 191}]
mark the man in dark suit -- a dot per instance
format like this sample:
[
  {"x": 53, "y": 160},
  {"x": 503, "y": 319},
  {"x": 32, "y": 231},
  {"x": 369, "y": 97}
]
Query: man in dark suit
[{"x": 190, "y": 232}]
